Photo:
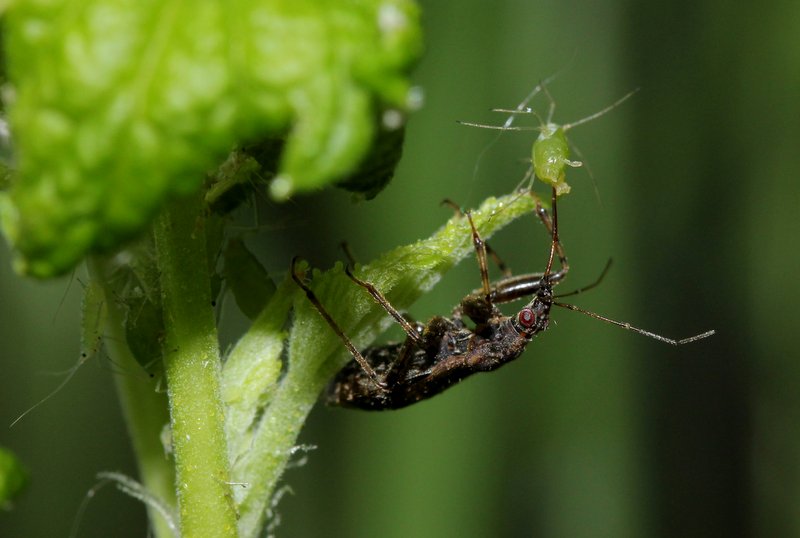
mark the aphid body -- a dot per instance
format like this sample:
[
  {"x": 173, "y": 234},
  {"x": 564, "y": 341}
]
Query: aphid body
[{"x": 550, "y": 156}]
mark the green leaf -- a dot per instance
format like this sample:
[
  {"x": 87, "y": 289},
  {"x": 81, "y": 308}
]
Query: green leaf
[
  {"x": 375, "y": 172},
  {"x": 118, "y": 105}
]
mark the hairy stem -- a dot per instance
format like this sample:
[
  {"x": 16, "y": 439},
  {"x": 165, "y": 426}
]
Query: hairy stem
[{"x": 192, "y": 369}]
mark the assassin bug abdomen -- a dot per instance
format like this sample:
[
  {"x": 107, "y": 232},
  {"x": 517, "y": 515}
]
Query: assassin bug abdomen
[{"x": 426, "y": 372}]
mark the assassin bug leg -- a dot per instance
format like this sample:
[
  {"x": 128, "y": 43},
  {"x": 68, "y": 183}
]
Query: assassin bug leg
[
  {"x": 412, "y": 333},
  {"x": 480, "y": 250},
  {"x": 511, "y": 288},
  {"x": 489, "y": 250},
  {"x": 332, "y": 324}
]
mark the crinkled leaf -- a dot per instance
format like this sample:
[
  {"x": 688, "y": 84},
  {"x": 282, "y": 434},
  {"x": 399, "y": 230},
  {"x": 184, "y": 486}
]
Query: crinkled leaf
[
  {"x": 375, "y": 172},
  {"x": 120, "y": 104}
]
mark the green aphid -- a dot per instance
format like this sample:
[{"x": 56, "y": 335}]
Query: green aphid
[
  {"x": 551, "y": 150},
  {"x": 550, "y": 156}
]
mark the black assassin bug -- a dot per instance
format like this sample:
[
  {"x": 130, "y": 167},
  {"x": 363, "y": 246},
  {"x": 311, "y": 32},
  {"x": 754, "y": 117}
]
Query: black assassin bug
[{"x": 442, "y": 352}]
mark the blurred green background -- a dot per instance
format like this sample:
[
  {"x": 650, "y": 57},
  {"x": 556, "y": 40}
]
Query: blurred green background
[{"x": 595, "y": 431}]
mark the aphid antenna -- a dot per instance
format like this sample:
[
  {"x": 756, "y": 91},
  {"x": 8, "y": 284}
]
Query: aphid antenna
[
  {"x": 599, "y": 113},
  {"x": 523, "y": 107},
  {"x": 507, "y": 125},
  {"x": 582, "y": 162}
]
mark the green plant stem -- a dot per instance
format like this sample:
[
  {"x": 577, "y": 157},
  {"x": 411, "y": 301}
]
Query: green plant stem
[
  {"x": 192, "y": 369},
  {"x": 145, "y": 410}
]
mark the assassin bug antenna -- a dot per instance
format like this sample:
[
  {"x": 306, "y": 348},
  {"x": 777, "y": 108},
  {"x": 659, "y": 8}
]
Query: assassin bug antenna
[
  {"x": 629, "y": 327},
  {"x": 622, "y": 324},
  {"x": 541, "y": 285},
  {"x": 590, "y": 286}
]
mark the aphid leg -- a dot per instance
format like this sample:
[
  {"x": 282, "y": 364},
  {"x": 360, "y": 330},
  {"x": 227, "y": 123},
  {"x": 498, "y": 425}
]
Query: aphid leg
[
  {"x": 528, "y": 177},
  {"x": 312, "y": 298},
  {"x": 381, "y": 300},
  {"x": 523, "y": 108}
]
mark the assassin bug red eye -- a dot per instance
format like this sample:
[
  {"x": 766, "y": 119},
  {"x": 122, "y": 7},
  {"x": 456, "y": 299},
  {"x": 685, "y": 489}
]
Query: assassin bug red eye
[{"x": 526, "y": 317}]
